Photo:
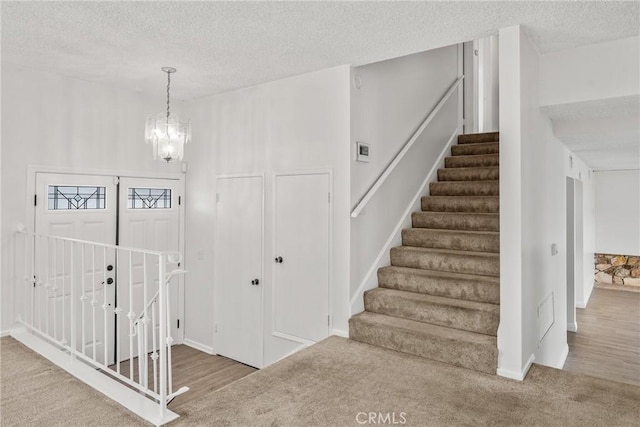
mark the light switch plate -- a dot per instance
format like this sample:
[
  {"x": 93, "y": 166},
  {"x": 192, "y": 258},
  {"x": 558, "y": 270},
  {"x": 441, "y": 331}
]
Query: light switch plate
[{"x": 362, "y": 152}]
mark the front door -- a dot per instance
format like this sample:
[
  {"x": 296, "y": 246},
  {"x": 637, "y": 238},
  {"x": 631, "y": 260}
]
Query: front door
[
  {"x": 81, "y": 207},
  {"x": 149, "y": 219},
  {"x": 141, "y": 213}
]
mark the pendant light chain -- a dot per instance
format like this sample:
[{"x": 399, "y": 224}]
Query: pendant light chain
[{"x": 168, "y": 87}]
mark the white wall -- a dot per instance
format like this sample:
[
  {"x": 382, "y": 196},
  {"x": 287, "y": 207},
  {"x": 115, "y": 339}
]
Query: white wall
[
  {"x": 394, "y": 98},
  {"x": 617, "y": 212},
  {"x": 532, "y": 216},
  {"x": 292, "y": 124},
  {"x": 51, "y": 120},
  {"x": 596, "y": 71}
]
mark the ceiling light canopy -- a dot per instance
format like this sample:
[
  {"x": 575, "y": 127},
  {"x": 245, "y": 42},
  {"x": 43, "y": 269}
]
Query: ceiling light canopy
[{"x": 166, "y": 132}]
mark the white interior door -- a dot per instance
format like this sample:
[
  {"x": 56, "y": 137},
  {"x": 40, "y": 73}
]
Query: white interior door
[
  {"x": 80, "y": 207},
  {"x": 301, "y": 285},
  {"x": 238, "y": 269},
  {"x": 149, "y": 218}
]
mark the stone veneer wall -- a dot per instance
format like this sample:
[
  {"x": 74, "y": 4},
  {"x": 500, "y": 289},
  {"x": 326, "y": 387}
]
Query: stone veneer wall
[{"x": 621, "y": 270}]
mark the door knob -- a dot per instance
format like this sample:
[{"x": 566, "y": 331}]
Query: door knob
[
  {"x": 255, "y": 282},
  {"x": 279, "y": 260},
  {"x": 109, "y": 267},
  {"x": 109, "y": 281}
]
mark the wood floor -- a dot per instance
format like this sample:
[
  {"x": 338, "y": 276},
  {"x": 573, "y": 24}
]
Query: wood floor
[
  {"x": 607, "y": 344},
  {"x": 199, "y": 371}
]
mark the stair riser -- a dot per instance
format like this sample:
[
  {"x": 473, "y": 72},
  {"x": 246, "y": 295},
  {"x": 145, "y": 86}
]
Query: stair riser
[
  {"x": 443, "y": 221},
  {"x": 469, "y": 174},
  {"x": 480, "y": 188},
  {"x": 463, "y": 263},
  {"x": 483, "y": 358},
  {"x": 436, "y": 314},
  {"x": 472, "y": 161},
  {"x": 450, "y": 240},
  {"x": 475, "y": 149},
  {"x": 488, "y": 204},
  {"x": 478, "y": 138},
  {"x": 470, "y": 290}
]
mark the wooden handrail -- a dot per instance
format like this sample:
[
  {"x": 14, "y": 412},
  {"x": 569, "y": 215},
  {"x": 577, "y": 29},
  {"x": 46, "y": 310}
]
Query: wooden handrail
[{"x": 407, "y": 146}]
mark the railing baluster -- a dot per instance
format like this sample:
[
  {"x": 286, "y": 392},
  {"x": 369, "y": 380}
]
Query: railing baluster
[
  {"x": 47, "y": 286},
  {"x": 105, "y": 306},
  {"x": 163, "y": 334},
  {"x": 131, "y": 315},
  {"x": 32, "y": 287},
  {"x": 64, "y": 292},
  {"x": 145, "y": 320},
  {"x": 38, "y": 292},
  {"x": 93, "y": 301},
  {"x": 83, "y": 298},
  {"x": 165, "y": 284},
  {"x": 154, "y": 357},
  {"x": 55, "y": 289},
  {"x": 72, "y": 302}
]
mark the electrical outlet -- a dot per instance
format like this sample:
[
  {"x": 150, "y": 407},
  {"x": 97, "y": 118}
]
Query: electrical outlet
[{"x": 554, "y": 249}]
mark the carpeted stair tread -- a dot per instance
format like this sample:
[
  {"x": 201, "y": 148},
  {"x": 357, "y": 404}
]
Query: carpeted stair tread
[
  {"x": 469, "y": 174},
  {"x": 472, "y": 316},
  {"x": 477, "y": 204},
  {"x": 440, "y": 297},
  {"x": 441, "y": 283},
  {"x": 463, "y": 240},
  {"x": 475, "y": 138},
  {"x": 465, "y": 188},
  {"x": 481, "y": 160},
  {"x": 475, "y": 149},
  {"x": 452, "y": 346},
  {"x": 456, "y": 220},
  {"x": 480, "y": 263}
]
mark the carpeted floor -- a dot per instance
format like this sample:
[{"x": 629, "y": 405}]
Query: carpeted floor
[{"x": 335, "y": 383}]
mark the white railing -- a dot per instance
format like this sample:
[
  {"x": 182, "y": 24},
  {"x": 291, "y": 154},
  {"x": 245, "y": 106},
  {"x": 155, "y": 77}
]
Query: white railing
[
  {"x": 405, "y": 149},
  {"x": 106, "y": 307}
]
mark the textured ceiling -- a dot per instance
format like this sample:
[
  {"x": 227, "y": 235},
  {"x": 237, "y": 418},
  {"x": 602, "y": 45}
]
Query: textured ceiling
[
  {"x": 605, "y": 133},
  {"x": 220, "y": 46}
]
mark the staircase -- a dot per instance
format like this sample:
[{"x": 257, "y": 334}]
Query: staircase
[{"x": 440, "y": 297}]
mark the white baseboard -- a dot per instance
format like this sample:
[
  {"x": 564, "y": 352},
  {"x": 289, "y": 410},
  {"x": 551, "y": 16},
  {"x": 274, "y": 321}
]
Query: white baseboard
[
  {"x": 198, "y": 346},
  {"x": 5, "y": 333},
  {"x": 340, "y": 333},
  {"x": 518, "y": 376},
  {"x": 563, "y": 357},
  {"x": 572, "y": 327}
]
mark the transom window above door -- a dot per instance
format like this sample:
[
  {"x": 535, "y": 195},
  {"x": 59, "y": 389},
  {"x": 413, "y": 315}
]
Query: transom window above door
[
  {"x": 149, "y": 198},
  {"x": 75, "y": 197}
]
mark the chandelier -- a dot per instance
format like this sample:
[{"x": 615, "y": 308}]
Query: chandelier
[{"x": 166, "y": 132}]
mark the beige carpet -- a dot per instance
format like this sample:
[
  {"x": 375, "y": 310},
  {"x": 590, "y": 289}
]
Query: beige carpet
[
  {"x": 329, "y": 384},
  {"x": 34, "y": 392}
]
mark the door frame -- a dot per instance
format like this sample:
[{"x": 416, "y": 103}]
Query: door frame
[
  {"x": 261, "y": 175},
  {"x": 575, "y": 251},
  {"x": 32, "y": 170},
  {"x": 275, "y": 175}
]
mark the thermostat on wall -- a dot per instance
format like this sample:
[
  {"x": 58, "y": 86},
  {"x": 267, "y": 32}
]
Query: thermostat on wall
[{"x": 362, "y": 153}]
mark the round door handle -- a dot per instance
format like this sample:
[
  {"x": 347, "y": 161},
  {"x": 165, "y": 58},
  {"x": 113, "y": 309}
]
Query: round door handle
[
  {"x": 255, "y": 282},
  {"x": 109, "y": 267},
  {"x": 279, "y": 260},
  {"x": 109, "y": 281}
]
